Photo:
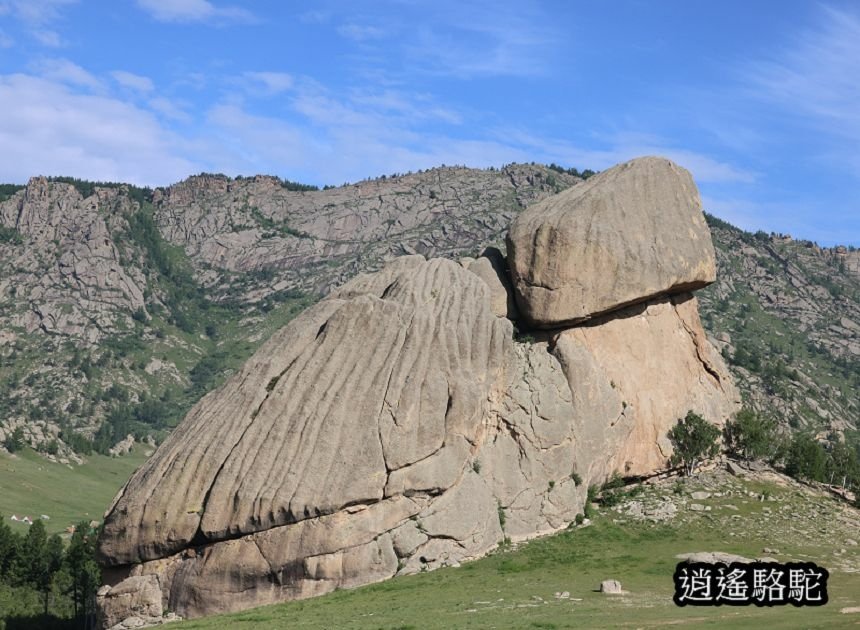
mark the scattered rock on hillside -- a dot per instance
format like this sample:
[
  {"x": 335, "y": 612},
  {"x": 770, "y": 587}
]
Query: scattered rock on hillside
[
  {"x": 122, "y": 447},
  {"x": 712, "y": 557},
  {"x": 611, "y": 587}
]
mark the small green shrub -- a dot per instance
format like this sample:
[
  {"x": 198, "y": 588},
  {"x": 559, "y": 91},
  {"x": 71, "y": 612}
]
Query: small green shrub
[
  {"x": 589, "y": 501},
  {"x": 14, "y": 442},
  {"x": 694, "y": 440},
  {"x": 615, "y": 481},
  {"x": 749, "y": 436}
]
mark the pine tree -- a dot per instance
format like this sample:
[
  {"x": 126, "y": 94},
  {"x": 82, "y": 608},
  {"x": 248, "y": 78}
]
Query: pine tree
[{"x": 82, "y": 567}]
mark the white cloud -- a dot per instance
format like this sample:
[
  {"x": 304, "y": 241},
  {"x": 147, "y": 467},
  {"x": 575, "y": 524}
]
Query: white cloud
[
  {"x": 48, "y": 38},
  {"x": 815, "y": 83},
  {"x": 170, "y": 109},
  {"x": 360, "y": 33},
  {"x": 65, "y": 71},
  {"x": 35, "y": 15},
  {"x": 400, "y": 103},
  {"x": 50, "y": 128},
  {"x": 35, "y": 12},
  {"x": 484, "y": 38},
  {"x": 193, "y": 11},
  {"x": 271, "y": 82},
  {"x": 133, "y": 81}
]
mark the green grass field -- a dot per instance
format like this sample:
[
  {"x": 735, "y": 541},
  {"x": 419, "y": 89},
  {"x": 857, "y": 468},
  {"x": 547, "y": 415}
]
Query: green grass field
[
  {"x": 31, "y": 485},
  {"x": 516, "y": 589}
]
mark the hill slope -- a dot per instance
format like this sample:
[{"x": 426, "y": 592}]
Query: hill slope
[
  {"x": 787, "y": 316},
  {"x": 126, "y": 305}
]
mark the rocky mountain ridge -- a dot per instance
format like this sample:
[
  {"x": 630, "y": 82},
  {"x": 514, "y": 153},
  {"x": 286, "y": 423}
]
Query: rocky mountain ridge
[
  {"x": 110, "y": 293},
  {"x": 173, "y": 319}
]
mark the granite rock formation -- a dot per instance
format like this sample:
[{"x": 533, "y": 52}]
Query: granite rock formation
[
  {"x": 397, "y": 426},
  {"x": 633, "y": 232}
]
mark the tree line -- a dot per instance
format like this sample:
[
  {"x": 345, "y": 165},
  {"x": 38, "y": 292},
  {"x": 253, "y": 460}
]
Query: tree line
[
  {"x": 44, "y": 583},
  {"x": 750, "y": 437}
]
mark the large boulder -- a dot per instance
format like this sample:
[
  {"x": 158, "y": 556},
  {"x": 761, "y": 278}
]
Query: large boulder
[
  {"x": 394, "y": 427},
  {"x": 381, "y": 431},
  {"x": 629, "y": 234},
  {"x": 374, "y": 392}
]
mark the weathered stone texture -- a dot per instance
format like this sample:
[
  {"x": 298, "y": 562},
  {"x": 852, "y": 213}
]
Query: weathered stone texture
[{"x": 631, "y": 233}]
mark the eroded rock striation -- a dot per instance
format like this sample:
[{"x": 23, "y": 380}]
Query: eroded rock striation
[{"x": 397, "y": 426}]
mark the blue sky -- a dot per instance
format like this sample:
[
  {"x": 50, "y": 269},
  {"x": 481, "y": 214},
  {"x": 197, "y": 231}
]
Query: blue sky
[{"x": 760, "y": 100}]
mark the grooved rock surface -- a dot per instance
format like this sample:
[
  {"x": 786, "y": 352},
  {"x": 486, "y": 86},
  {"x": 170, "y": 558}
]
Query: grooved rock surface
[
  {"x": 358, "y": 399},
  {"x": 393, "y": 427},
  {"x": 628, "y": 234}
]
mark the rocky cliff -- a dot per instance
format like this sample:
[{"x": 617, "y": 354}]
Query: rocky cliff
[{"x": 398, "y": 425}]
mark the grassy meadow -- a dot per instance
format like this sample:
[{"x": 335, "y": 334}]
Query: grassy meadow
[
  {"x": 516, "y": 588},
  {"x": 31, "y": 485}
]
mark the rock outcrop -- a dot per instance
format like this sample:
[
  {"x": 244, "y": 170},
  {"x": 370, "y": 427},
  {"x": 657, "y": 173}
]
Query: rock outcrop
[
  {"x": 646, "y": 366},
  {"x": 397, "y": 426},
  {"x": 78, "y": 293},
  {"x": 137, "y": 598},
  {"x": 633, "y": 232}
]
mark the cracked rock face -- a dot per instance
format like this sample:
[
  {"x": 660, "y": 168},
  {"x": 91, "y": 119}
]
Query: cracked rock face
[
  {"x": 375, "y": 392},
  {"x": 397, "y": 427},
  {"x": 631, "y": 233},
  {"x": 289, "y": 480},
  {"x": 644, "y": 367}
]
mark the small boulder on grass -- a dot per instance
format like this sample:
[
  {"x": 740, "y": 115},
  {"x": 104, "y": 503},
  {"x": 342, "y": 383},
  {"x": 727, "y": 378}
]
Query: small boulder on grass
[
  {"x": 611, "y": 587},
  {"x": 712, "y": 557}
]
